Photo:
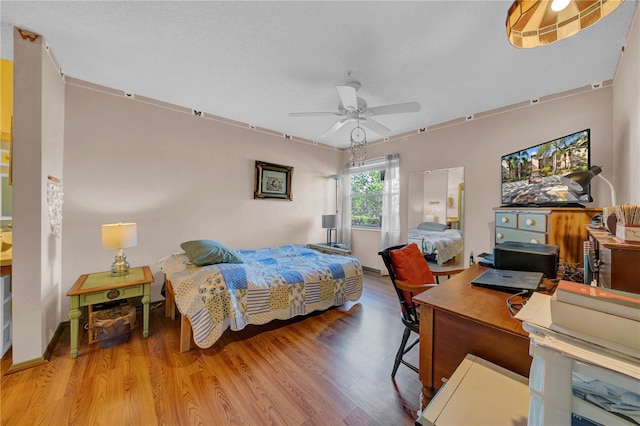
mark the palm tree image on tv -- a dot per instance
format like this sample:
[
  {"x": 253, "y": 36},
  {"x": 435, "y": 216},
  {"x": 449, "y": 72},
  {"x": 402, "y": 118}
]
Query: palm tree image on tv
[{"x": 532, "y": 176}]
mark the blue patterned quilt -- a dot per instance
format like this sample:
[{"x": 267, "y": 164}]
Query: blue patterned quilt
[{"x": 271, "y": 283}]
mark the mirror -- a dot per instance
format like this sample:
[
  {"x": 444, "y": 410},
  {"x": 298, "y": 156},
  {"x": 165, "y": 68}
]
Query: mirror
[{"x": 436, "y": 215}]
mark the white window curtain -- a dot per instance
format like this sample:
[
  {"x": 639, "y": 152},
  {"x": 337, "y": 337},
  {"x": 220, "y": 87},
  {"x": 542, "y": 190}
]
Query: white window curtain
[
  {"x": 390, "y": 235},
  {"x": 390, "y": 228},
  {"x": 345, "y": 219}
]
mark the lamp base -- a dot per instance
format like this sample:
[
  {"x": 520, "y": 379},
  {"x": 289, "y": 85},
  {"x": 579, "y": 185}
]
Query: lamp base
[
  {"x": 329, "y": 236},
  {"x": 120, "y": 267}
]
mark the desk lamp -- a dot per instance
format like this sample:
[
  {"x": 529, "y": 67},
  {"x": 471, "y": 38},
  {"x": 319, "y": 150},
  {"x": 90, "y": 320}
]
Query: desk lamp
[
  {"x": 119, "y": 236},
  {"x": 579, "y": 180}
]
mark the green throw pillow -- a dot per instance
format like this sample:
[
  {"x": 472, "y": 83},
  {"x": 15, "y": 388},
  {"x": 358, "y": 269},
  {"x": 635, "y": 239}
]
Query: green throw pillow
[{"x": 208, "y": 252}]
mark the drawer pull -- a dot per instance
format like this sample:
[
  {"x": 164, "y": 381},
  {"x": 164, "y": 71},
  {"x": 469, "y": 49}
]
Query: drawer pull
[
  {"x": 534, "y": 241},
  {"x": 530, "y": 222},
  {"x": 112, "y": 294},
  {"x": 505, "y": 220},
  {"x": 500, "y": 235}
]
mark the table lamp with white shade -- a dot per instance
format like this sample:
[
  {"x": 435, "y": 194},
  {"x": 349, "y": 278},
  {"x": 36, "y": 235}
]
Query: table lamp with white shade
[{"x": 119, "y": 236}]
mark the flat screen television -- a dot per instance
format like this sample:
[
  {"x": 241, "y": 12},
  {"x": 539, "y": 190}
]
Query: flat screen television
[{"x": 531, "y": 177}]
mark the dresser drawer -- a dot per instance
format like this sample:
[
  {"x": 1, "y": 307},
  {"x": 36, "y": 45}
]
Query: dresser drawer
[
  {"x": 532, "y": 222},
  {"x": 507, "y": 220},
  {"x": 505, "y": 234},
  {"x": 108, "y": 295}
]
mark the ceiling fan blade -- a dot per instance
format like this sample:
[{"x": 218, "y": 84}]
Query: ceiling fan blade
[
  {"x": 393, "y": 109},
  {"x": 348, "y": 97},
  {"x": 312, "y": 114},
  {"x": 331, "y": 130},
  {"x": 375, "y": 126}
]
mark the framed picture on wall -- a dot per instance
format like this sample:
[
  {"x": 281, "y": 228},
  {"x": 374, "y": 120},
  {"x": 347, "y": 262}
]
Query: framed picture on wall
[{"x": 273, "y": 181}]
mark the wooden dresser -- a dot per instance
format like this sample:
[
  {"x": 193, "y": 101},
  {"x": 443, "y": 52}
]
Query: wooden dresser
[
  {"x": 618, "y": 263},
  {"x": 563, "y": 227}
]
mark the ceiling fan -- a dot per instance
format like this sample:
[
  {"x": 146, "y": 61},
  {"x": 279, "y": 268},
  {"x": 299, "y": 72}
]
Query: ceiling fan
[{"x": 355, "y": 110}]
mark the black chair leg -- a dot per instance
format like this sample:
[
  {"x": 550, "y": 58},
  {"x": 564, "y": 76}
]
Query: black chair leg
[{"x": 399, "y": 355}]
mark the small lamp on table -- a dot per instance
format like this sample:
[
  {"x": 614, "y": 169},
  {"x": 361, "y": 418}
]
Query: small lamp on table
[
  {"x": 119, "y": 236},
  {"x": 330, "y": 223}
]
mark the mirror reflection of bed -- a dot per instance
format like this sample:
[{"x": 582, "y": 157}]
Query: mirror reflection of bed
[{"x": 436, "y": 216}]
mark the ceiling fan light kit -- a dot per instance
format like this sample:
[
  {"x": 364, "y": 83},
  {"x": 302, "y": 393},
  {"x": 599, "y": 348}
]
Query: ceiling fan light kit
[{"x": 533, "y": 23}]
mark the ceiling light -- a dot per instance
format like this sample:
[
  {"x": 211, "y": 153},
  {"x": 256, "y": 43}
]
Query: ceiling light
[
  {"x": 558, "y": 5},
  {"x": 533, "y": 23}
]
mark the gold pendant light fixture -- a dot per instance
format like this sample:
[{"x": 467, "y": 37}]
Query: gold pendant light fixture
[{"x": 533, "y": 23}]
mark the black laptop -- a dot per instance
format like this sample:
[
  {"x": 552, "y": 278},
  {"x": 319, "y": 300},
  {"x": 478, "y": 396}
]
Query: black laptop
[{"x": 509, "y": 281}]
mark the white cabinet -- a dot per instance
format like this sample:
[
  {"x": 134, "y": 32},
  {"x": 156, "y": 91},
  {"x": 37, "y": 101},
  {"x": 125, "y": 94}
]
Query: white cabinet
[
  {"x": 560, "y": 382},
  {"x": 479, "y": 393},
  {"x": 5, "y": 313}
]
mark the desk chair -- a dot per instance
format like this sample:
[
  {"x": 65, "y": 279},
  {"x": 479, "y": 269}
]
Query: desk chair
[{"x": 410, "y": 275}]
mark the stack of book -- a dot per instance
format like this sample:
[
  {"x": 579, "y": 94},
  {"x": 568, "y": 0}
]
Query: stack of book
[{"x": 606, "y": 317}]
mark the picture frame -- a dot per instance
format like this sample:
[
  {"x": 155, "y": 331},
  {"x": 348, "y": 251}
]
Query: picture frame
[{"x": 273, "y": 181}]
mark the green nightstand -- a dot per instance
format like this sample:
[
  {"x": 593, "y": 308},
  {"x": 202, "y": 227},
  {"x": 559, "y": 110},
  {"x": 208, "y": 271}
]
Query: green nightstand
[{"x": 101, "y": 287}]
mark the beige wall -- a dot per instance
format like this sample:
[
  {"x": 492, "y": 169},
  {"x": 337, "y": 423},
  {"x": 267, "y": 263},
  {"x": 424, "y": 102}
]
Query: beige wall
[
  {"x": 626, "y": 119},
  {"x": 478, "y": 145},
  {"x": 179, "y": 177},
  {"x": 176, "y": 162},
  {"x": 38, "y": 147}
]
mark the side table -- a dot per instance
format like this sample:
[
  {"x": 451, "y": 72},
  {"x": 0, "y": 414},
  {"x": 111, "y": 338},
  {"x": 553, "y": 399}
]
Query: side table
[
  {"x": 448, "y": 270},
  {"x": 101, "y": 287}
]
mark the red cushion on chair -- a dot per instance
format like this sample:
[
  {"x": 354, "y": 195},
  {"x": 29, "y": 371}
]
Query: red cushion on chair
[{"x": 410, "y": 265}]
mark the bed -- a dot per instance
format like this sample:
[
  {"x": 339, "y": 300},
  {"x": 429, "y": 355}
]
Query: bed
[
  {"x": 436, "y": 241},
  {"x": 270, "y": 283}
]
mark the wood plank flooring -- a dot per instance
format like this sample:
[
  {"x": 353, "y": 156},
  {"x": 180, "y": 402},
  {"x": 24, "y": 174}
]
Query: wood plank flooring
[{"x": 330, "y": 368}]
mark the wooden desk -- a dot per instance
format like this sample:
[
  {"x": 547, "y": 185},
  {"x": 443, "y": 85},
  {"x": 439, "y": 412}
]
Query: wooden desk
[{"x": 457, "y": 318}]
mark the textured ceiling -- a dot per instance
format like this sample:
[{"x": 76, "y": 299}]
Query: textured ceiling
[{"x": 255, "y": 62}]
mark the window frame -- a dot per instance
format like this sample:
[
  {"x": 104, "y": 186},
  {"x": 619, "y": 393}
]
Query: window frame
[{"x": 379, "y": 194}]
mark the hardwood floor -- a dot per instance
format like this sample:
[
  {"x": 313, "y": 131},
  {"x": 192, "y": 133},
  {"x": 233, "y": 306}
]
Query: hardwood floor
[{"x": 331, "y": 368}]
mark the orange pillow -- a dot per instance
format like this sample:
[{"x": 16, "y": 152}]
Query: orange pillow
[{"x": 410, "y": 265}]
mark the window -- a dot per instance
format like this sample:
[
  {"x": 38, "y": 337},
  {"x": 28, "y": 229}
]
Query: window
[
  {"x": 371, "y": 199},
  {"x": 366, "y": 199}
]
